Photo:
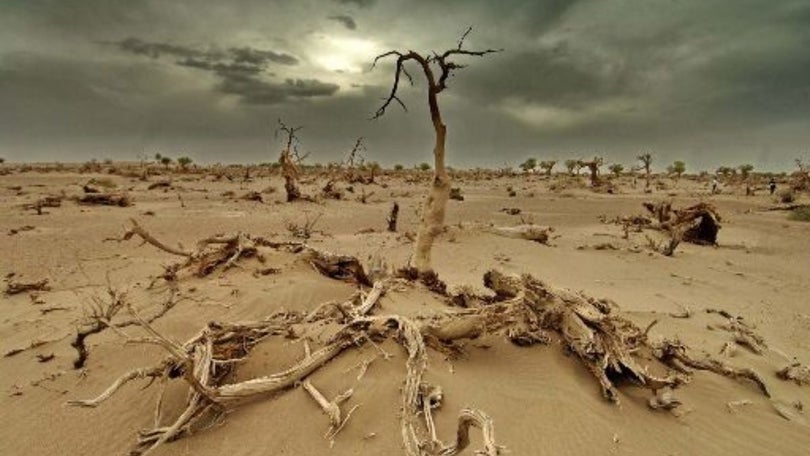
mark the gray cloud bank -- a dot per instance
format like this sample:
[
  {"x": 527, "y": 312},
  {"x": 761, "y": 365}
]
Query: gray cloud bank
[{"x": 720, "y": 82}]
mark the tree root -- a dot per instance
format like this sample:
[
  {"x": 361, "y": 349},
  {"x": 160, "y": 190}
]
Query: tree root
[
  {"x": 524, "y": 310},
  {"x": 100, "y": 318},
  {"x": 673, "y": 353},
  {"x": 743, "y": 334}
]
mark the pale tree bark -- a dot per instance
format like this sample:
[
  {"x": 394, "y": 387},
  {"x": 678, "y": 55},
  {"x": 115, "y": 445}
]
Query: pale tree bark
[
  {"x": 433, "y": 211},
  {"x": 289, "y": 160}
]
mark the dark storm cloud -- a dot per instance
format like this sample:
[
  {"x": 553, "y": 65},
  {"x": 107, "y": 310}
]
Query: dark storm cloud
[
  {"x": 359, "y": 3},
  {"x": 155, "y": 50},
  {"x": 346, "y": 20},
  {"x": 240, "y": 70},
  {"x": 259, "y": 92},
  {"x": 239, "y": 55},
  {"x": 220, "y": 68},
  {"x": 260, "y": 57},
  {"x": 699, "y": 80}
]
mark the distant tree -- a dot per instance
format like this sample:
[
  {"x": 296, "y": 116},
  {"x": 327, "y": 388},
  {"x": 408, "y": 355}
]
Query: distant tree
[
  {"x": 158, "y": 157},
  {"x": 528, "y": 165},
  {"x": 593, "y": 166},
  {"x": 547, "y": 166},
  {"x": 184, "y": 162},
  {"x": 424, "y": 166},
  {"x": 570, "y": 165},
  {"x": 398, "y": 167},
  {"x": 646, "y": 164},
  {"x": 166, "y": 161},
  {"x": 678, "y": 168},
  {"x": 745, "y": 170},
  {"x": 726, "y": 172},
  {"x": 616, "y": 169},
  {"x": 2, "y": 160}
]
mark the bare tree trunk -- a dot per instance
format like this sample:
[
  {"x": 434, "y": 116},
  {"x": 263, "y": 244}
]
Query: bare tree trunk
[
  {"x": 289, "y": 169},
  {"x": 290, "y": 173},
  {"x": 433, "y": 211}
]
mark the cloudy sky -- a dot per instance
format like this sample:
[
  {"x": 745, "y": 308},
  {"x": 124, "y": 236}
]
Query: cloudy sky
[{"x": 706, "y": 81}]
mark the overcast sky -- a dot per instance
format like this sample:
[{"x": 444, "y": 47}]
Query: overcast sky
[{"x": 709, "y": 82}]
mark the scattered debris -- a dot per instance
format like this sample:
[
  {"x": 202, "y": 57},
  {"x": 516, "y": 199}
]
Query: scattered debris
[
  {"x": 105, "y": 199},
  {"x": 796, "y": 372},
  {"x": 21, "y": 229},
  {"x": 455, "y": 194},
  {"x": 13, "y": 287},
  {"x": 534, "y": 233}
]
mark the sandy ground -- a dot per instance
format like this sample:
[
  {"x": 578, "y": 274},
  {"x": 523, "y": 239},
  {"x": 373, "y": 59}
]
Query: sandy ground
[{"x": 542, "y": 401}]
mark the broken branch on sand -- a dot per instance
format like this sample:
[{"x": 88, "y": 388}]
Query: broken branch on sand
[
  {"x": 524, "y": 310},
  {"x": 13, "y": 287}
]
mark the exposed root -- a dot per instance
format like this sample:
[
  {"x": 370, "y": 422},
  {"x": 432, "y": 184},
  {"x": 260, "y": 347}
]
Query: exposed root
[
  {"x": 743, "y": 334},
  {"x": 698, "y": 223},
  {"x": 340, "y": 267},
  {"x": 524, "y": 309},
  {"x": 101, "y": 316},
  {"x": 121, "y": 381},
  {"x": 674, "y": 354},
  {"x": 605, "y": 342}
]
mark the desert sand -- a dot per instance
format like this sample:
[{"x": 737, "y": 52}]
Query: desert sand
[{"x": 541, "y": 399}]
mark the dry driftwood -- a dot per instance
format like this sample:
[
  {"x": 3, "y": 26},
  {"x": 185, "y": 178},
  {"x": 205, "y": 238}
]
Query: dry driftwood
[
  {"x": 13, "y": 287},
  {"x": 524, "y": 310},
  {"x": 101, "y": 315},
  {"x": 797, "y": 372},
  {"x": 697, "y": 224},
  {"x": 47, "y": 201},
  {"x": 743, "y": 334},
  {"x": 534, "y": 233},
  {"x": 105, "y": 199}
]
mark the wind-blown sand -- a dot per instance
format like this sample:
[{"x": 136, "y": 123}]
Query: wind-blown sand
[{"x": 541, "y": 400}]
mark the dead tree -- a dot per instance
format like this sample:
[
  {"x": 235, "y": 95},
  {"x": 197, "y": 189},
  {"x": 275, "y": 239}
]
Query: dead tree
[
  {"x": 437, "y": 68},
  {"x": 289, "y": 161},
  {"x": 353, "y": 160},
  {"x": 646, "y": 162},
  {"x": 393, "y": 216},
  {"x": 593, "y": 167}
]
